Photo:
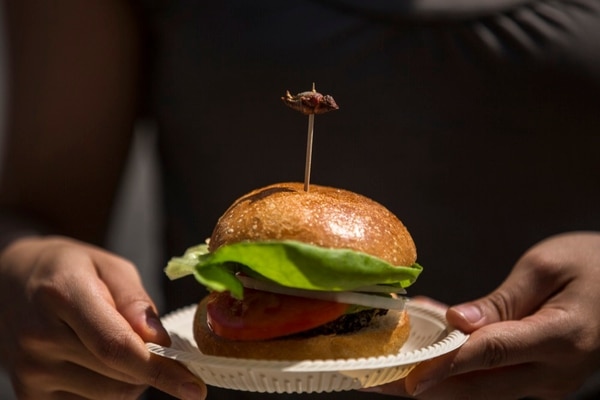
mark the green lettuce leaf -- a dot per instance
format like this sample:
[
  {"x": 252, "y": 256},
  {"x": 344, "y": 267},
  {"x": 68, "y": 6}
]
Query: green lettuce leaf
[{"x": 288, "y": 263}]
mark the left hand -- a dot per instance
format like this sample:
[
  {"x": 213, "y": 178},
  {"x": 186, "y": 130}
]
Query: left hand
[
  {"x": 75, "y": 319},
  {"x": 537, "y": 335}
]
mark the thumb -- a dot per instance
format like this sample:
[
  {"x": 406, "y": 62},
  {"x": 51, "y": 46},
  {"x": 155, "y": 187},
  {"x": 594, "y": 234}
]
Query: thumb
[
  {"x": 468, "y": 317},
  {"x": 108, "y": 332},
  {"x": 134, "y": 304},
  {"x": 523, "y": 292},
  {"x": 503, "y": 304},
  {"x": 141, "y": 314}
]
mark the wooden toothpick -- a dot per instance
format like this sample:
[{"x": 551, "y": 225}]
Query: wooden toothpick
[
  {"x": 310, "y": 103},
  {"x": 309, "y": 144}
]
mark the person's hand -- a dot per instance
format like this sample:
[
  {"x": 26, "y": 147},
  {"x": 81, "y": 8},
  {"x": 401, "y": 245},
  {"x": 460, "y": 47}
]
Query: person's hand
[
  {"x": 74, "y": 321},
  {"x": 536, "y": 336}
]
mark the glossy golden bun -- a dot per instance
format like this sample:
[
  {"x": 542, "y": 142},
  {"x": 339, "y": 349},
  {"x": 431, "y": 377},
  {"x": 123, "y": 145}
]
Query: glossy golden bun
[
  {"x": 323, "y": 216},
  {"x": 384, "y": 336},
  {"x": 326, "y": 217}
]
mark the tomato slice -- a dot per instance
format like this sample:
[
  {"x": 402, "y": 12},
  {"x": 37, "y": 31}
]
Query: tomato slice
[{"x": 264, "y": 315}]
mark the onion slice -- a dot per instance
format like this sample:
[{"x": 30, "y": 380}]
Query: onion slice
[
  {"x": 380, "y": 289},
  {"x": 361, "y": 299}
]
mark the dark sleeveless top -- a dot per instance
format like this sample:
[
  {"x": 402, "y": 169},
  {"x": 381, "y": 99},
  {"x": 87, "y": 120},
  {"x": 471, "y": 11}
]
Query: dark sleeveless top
[{"x": 477, "y": 123}]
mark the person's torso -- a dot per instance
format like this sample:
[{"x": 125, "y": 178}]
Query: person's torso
[{"x": 481, "y": 133}]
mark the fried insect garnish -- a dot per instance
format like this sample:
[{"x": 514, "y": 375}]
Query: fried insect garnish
[{"x": 311, "y": 102}]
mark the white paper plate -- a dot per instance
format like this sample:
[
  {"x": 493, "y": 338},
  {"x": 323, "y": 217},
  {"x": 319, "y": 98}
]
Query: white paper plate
[{"x": 430, "y": 337}]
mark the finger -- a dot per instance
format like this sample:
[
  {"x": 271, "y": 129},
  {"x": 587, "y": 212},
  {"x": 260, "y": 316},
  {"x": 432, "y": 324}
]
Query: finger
[
  {"x": 58, "y": 342},
  {"x": 108, "y": 335},
  {"x": 527, "y": 287},
  {"x": 495, "y": 346},
  {"x": 88, "y": 384},
  {"x": 131, "y": 299},
  {"x": 535, "y": 338},
  {"x": 47, "y": 379},
  {"x": 110, "y": 338}
]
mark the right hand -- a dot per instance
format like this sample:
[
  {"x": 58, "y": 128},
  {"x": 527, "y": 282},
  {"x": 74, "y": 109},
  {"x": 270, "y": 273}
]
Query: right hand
[{"x": 74, "y": 321}]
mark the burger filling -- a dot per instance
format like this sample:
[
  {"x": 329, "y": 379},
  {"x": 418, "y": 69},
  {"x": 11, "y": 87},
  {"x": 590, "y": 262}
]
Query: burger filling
[
  {"x": 263, "y": 315},
  {"x": 271, "y": 289},
  {"x": 347, "y": 323}
]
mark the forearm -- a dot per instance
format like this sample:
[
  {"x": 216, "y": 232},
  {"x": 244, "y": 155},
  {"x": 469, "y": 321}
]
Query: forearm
[{"x": 72, "y": 101}]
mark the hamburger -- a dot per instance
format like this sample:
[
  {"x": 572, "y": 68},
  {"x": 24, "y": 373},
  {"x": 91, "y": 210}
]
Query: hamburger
[{"x": 297, "y": 274}]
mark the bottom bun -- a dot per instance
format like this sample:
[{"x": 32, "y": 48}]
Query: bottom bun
[{"x": 385, "y": 336}]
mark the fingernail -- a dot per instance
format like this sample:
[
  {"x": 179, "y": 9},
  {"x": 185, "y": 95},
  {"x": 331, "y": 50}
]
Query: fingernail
[
  {"x": 154, "y": 323},
  {"x": 159, "y": 333},
  {"x": 191, "y": 391},
  {"x": 470, "y": 313}
]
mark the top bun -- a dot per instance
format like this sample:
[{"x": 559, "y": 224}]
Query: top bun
[{"x": 323, "y": 216}]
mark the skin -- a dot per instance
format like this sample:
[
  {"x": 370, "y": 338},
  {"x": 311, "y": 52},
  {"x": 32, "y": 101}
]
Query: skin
[
  {"x": 87, "y": 318},
  {"x": 78, "y": 316},
  {"x": 537, "y": 335}
]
